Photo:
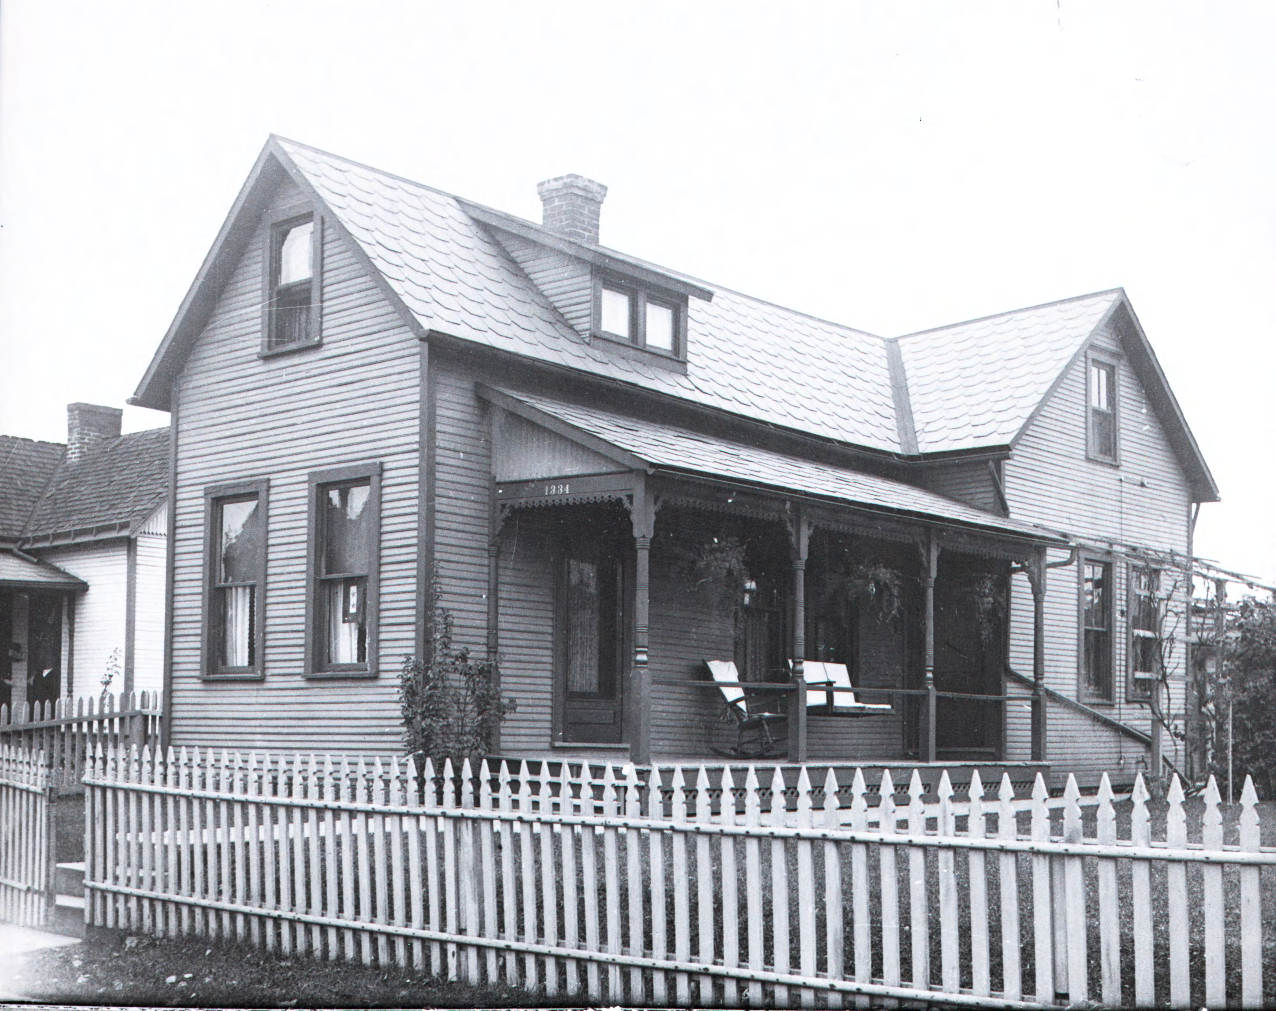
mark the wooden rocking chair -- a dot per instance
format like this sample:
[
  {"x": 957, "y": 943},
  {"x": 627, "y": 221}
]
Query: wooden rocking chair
[{"x": 749, "y": 722}]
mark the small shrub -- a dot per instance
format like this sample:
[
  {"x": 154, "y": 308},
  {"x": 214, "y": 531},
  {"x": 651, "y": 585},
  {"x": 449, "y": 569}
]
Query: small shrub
[{"x": 451, "y": 708}]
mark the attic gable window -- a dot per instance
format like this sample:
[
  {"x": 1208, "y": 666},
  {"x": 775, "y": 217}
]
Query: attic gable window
[
  {"x": 293, "y": 284},
  {"x": 1101, "y": 410},
  {"x": 631, "y": 314}
]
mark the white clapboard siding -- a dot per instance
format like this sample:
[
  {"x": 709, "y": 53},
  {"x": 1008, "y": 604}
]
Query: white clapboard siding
[{"x": 468, "y": 876}]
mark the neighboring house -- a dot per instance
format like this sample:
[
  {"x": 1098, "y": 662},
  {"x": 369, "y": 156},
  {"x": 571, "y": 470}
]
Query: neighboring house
[
  {"x": 83, "y": 558},
  {"x": 616, "y": 472}
]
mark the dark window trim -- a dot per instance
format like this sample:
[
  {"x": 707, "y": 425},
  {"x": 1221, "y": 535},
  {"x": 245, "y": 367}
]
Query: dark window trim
[
  {"x": 1092, "y": 359},
  {"x": 213, "y": 495},
  {"x": 1138, "y": 689},
  {"x": 1083, "y": 692},
  {"x": 273, "y": 244},
  {"x": 639, "y": 295},
  {"x": 371, "y": 472}
]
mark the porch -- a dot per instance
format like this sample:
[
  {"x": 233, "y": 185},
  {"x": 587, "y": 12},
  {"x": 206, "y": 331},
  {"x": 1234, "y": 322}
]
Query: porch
[{"x": 624, "y": 555}]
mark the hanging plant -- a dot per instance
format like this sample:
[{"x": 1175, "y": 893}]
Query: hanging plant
[
  {"x": 875, "y": 588},
  {"x": 720, "y": 564},
  {"x": 987, "y": 592}
]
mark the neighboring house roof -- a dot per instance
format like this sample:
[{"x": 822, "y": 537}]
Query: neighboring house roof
[
  {"x": 969, "y": 387},
  {"x": 115, "y": 486},
  {"x": 19, "y": 571},
  {"x": 674, "y": 449},
  {"x": 25, "y": 468}
]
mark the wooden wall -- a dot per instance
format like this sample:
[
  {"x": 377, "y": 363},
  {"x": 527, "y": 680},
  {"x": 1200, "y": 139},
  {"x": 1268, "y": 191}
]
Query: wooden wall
[
  {"x": 1144, "y": 501},
  {"x": 148, "y": 614},
  {"x": 99, "y": 611},
  {"x": 353, "y": 399}
]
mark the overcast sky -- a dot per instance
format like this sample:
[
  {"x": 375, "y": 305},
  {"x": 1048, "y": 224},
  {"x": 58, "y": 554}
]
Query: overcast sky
[{"x": 892, "y": 167}]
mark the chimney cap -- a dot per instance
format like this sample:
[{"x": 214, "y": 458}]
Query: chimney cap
[{"x": 577, "y": 185}]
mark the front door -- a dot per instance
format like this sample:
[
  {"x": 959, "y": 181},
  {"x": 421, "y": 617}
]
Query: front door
[
  {"x": 44, "y": 666},
  {"x": 593, "y": 625}
]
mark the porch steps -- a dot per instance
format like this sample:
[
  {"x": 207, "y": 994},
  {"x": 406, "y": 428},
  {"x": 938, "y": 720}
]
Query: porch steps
[{"x": 68, "y": 902}]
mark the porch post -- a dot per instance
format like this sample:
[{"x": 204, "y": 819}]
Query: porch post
[
  {"x": 495, "y": 524},
  {"x": 1037, "y": 579},
  {"x": 643, "y": 517},
  {"x": 931, "y": 563},
  {"x": 800, "y": 529}
]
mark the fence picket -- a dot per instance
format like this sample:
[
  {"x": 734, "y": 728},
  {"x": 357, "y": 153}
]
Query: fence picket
[
  {"x": 1075, "y": 897},
  {"x": 1251, "y": 911},
  {"x": 527, "y": 873},
  {"x": 807, "y": 943},
  {"x": 1212, "y": 901},
  {"x": 977, "y": 873},
  {"x": 571, "y": 935},
  {"x": 889, "y": 881},
  {"x": 349, "y": 884},
  {"x": 780, "y": 943},
  {"x": 172, "y": 885},
  {"x": 656, "y": 870},
  {"x": 611, "y": 866},
  {"x": 1008, "y": 887},
  {"x": 834, "y": 939},
  {"x": 548, "y": 887},
  {"x": 193, "y": 776},
  {"x": 1176, "y": 897},
  {"x": 1043, "y": 932},
  {"x": 451, "y": 901},
  {"x": 1109, "y": 908},
  {"x": 705, "y": 891},
  {"x": 380, "y": 891},
  {"x": 416, "y": 884},
  {"x": 314, "y": 856},
  {"x": 589, "y": 884},
  {"x": 469, "y": 883},
  {"x": 730, "y": 889},
  {"x": 919, "y": 914},
  {"x": 145, "y": 839},
  {"x": 1141, "y": 898},
  {"x": 681, "y": 911},
  {"x": 633, "y": 877},
  {"x": 949, "y": 967},
  {"x": 487, "y": 857},
  {"x": 753, "y": 881}
]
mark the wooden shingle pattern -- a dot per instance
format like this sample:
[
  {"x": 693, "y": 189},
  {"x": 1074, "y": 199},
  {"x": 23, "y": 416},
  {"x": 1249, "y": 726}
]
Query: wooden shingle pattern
[{"x": 25, "y": 468}]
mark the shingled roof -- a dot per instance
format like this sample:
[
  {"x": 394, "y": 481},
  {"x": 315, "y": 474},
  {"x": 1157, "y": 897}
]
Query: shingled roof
[
  {"x": 968, "y": 387},
  {"x": 112, "y": 488},
  {"x": 25, "y": 468}
]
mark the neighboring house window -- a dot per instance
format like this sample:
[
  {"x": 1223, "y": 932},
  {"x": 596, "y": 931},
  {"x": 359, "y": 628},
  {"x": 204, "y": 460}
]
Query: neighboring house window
[
  {"x": 1096, "y": 630},
  {"x": 1101, "y": 411},
  {"x": 1145, "y": 631},
  {"x": 630, "y": 314},
  {"x": 342, "y": 604},
  {"x": 234, "y": 609},
  {"x": 293, "y": 283}
]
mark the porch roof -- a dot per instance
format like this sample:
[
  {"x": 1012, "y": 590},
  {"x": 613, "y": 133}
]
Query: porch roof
[
  {"x": 671, "y": 450},
  {"x": 18, "y": 571}
]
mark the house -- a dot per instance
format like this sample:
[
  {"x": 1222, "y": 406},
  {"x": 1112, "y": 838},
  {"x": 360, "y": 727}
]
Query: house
[
  {"x": 83, "y": 559},
  {"x": 615, "y": 472}
]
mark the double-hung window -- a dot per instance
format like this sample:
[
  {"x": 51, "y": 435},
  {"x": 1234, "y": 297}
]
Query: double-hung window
[
  {"x": 1096, "y": 630},
  {"x": 1101, "y": 410},
  {"x": 236, "y": 565},
  {"x": 1145, "y": 631},
  {"x": 293, "y": 283},
  {"x": 342, "y": 597}
]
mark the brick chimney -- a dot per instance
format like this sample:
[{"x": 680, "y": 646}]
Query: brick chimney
[
  {"x": 571, "y": 204},
  {"x": 89, "y": 425}
]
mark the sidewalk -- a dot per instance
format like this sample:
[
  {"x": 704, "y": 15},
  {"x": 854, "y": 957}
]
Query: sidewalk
[{"x": 15, "y": 944}]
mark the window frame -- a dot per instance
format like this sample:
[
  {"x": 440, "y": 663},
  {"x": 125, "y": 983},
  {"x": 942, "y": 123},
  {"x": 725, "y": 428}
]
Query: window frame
[
  {"x": 1099, "y": 360},
  {"x": 274, "y": 246},
  {"x": 317, "y": 482},
  {"x": 1084, "y": 694},
  {"x": 639, "y": 296},
  {"x": 214, "y": 496},
  {"x": 1138, "y": 686}
]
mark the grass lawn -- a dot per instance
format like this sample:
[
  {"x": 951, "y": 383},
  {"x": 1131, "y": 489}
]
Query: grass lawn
[{"x": 113, "y": 968}]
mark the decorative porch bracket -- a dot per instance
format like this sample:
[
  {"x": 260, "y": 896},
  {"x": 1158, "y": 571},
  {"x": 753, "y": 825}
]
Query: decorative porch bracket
[
  {"x": 799, "y": 526},
  {"x": 1036, "y": 572},
  {"x": 642, "y": 515}
]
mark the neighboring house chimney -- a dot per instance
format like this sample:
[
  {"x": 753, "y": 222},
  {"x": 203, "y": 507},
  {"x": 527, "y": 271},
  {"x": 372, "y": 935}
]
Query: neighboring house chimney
[
  {"x": 88, "y": 425},
  {"x": 571, "y": 205}
]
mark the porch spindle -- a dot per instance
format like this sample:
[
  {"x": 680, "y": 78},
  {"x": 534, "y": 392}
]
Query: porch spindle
[{"x": 931, "y": 563}]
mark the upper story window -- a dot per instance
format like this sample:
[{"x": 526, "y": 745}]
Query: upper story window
[
  {"x": 294, "y": 271},
  {"x": 1145, "y": 630},
  {"x": 342, "y": 600},
  {"x": 1096, "y": 630},
  {"x": 631, "y": 314},
  {"x": 1101, "y": 410},
  {"x": 235, "y": 613}
]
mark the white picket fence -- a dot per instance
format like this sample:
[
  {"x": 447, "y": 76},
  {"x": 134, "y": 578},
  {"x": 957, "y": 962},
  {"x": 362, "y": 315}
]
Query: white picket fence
[
  {"x": 696, "y": 893},
  {"x": 26, "y": 832}
]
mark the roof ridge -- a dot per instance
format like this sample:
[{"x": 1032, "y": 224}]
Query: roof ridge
[
  {"x": 1012, "y": 312},
  {"x": 38, "y": 442}
]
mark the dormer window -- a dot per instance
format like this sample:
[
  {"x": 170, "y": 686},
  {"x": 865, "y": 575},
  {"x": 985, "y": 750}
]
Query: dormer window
[
  {"x": 293, "y": 284},
  {"x": 631, "y": 314},
  {"x": 1101, "y": 411}
]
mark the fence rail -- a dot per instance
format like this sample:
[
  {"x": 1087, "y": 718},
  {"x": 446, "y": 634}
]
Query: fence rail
[
  {"x": 68, "y": 731},
  {"x": 26, "y": 832},
  {"x": 608, "y": 889}
]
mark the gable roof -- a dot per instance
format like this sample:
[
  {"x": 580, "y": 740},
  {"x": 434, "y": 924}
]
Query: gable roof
[
  {"x": 964, "y": 388},
  {"x": 25, "y": 468},
  {"x": 21, "y": 571},
  {"x": 111, "y": 489}
]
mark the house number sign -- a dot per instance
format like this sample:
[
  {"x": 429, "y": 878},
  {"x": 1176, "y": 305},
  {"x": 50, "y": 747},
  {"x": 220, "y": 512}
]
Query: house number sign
[{"x": 564, "y": 488}]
